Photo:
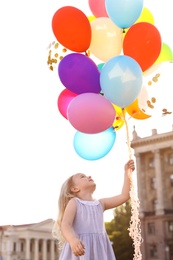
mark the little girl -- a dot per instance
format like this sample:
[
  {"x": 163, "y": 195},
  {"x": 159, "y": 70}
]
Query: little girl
[{"x": 80, "y": 224}]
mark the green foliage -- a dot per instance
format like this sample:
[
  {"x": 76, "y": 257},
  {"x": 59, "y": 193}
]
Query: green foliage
[{"x": 118, "y": 232}]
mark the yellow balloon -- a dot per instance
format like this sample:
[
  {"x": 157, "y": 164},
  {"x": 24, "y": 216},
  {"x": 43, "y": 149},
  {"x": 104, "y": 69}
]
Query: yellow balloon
[
  {"x": 119, "y": 119},
  {"x": 106, "y": 40},
  {"x": 91, "y": 18},
  {"x": 118, "y": 123},
  {"x": 119, "y": 111},
  {"x": 145, "y": 16},
  {"x": 165, "y": 54}
]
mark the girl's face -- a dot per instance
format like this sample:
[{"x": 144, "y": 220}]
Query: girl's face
[{"x": 81, "y": 181}]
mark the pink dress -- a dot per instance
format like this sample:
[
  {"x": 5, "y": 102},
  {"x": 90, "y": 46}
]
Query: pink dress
[{"x": 89, "y": 226}]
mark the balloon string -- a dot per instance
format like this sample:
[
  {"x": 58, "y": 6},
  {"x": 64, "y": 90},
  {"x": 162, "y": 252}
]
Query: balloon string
[{"x": 135, "y": 226}]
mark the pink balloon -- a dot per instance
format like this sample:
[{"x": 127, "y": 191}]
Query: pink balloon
[
  {"x": 63, "y": 101},
  {"x": 97, "y": 7},
  {"x": 91, "y": 113}
]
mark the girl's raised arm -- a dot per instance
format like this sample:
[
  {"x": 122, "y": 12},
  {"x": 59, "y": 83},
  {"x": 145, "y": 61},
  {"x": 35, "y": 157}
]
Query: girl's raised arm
[{"x": 115, "y": 201}]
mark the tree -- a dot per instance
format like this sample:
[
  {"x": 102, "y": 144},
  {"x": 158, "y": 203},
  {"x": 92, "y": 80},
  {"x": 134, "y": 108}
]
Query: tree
[{"x": 118, "y": 232}]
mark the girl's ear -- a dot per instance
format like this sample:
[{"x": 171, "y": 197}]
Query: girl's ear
[{"x": 74, "y": 189}]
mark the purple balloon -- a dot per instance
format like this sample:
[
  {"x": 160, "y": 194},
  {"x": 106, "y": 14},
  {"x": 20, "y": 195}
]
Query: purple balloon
[{"x": 79, "y": 74}]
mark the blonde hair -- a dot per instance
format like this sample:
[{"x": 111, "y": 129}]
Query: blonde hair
[{"x": 65, "y": 196}]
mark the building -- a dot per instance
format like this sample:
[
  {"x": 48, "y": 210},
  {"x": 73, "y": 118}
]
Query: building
[
  {"x": 154, "y": 167},
  {"x": 28, "y": 242}
]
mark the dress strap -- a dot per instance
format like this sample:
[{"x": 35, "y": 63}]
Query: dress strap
[{"x": 88, "y": 202}]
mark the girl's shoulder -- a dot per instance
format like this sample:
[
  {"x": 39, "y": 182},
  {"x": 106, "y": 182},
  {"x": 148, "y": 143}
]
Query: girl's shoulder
[{"x": 72, "y": 202}]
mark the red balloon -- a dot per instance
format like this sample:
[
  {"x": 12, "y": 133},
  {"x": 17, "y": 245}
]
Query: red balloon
[
  {"x": 63, "y": 101},
  {"x": 143, "y": 43},
  {"x": 72, "y": 29}
]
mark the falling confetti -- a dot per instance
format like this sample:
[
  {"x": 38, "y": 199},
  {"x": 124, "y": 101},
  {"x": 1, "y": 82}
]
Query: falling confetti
[
  {"x": 54, "y": 56},
  {"x": 155, "y": 101},
  {"x": 165, "y": 112}
]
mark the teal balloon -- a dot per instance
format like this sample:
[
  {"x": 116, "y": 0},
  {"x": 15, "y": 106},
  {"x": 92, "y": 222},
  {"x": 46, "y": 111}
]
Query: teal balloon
[
  {"x": 124, "y": 13},
  {"x": 100, "y": 66},
  {"x": 94, "y": 146},
  {"x": 121, "y": 80}
]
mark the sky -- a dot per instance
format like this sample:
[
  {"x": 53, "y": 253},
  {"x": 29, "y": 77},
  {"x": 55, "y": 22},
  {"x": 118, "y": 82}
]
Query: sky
[{"x": 36, "y": 141}]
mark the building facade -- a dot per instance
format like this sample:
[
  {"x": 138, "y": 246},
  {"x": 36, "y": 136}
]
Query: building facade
[
  {"x": 154, "y": 167},
  {"x": 28, "y": 242}
]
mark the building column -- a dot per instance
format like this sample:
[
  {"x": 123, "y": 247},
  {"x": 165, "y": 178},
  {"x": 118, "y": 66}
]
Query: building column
[
  {"x": 52, "y": 253},
  {"x": 44, "y": 249},
  {"x": 27, "y": 252},
  {"x": 18, "y": 245},
  {"x": 9, "y": 248},
  {"x": 139, "y": 183},
  {"x": 36, "y": 253},
  {"x": 158, "y": 171}
]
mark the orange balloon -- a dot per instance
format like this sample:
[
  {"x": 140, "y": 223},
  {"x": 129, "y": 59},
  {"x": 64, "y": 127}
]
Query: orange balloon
[
  {"x": 143, "y": 43},
  {"x": 134, "y": 111},
  {"x": 72, "y": 29}
]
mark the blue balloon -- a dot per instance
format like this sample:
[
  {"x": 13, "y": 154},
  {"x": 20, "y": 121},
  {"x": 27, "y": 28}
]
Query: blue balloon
[
  {"x": 124, "y": 13},
  {"x": 94, "y": 146},
  {"x": 121, "y": 80}
]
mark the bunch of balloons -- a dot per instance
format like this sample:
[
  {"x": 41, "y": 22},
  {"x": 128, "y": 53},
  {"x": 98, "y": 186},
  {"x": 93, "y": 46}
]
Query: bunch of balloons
[{"x": 121, "y": 35}]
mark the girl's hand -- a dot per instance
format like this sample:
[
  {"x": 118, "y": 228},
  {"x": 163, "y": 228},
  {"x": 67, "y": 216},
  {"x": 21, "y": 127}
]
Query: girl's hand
[
  {"x": 77, "y": 247},
  {"x": 130, "y": 165}
]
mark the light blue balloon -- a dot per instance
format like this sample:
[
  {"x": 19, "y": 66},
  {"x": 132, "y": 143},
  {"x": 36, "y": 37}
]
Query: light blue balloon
[
  {"x": 121, "y": 80},
  {"x": 94, "y": 146},
  {"x": 124, "y": 13}
]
